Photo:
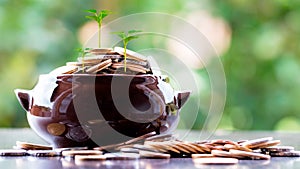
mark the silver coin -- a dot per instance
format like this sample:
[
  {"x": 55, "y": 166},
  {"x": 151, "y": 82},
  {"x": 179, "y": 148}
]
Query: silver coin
[
  {"x": 72, "y": 153},
  {"x": 12, "y": 152},
  {"x": 285, "y": 154},
  {"x": 149, "y": 154},
  {"x": 278, "y": 149},
  {"x": 122, "y": 156},
  {"x": 89, "y": 158},
  {"x": 44, "y": 153}
]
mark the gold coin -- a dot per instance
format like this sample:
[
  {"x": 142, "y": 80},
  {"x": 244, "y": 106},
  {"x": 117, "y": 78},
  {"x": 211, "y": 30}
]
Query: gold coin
[
  {"x": 56, "y": 129},
  {"x": 32, "y": 146}
]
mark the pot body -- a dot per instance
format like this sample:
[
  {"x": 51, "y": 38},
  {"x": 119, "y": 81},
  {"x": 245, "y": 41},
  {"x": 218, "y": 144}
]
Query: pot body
[{"x": 95, "y": 110}]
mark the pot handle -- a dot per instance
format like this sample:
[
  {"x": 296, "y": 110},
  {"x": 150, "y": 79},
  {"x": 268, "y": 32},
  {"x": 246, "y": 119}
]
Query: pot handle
[
  {"x": 181, "y": 97},
  {"x": 24, "y": 98}
]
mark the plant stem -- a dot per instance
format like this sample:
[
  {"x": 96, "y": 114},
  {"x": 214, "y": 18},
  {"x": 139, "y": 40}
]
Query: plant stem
[
  {"x": 125, "y": 56},
  {"x": 82, "y": 55},
  {"x": 99, "y": 34}
]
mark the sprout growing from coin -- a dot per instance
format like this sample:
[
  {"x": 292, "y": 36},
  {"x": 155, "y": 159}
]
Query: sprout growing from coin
[
  {"x": 126, "y": 37},
  {"x": 98, "y": 17},
  {"x": 82, "y": 52}
]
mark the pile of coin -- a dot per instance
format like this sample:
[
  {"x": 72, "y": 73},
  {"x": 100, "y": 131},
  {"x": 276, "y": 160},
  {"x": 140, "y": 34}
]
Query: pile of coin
[
  {"x": 167, "y": 146},
  {"x": 164, "y": 147},
  {"x": 281, "y": 151},
  {"x": 107, "y": 61}
]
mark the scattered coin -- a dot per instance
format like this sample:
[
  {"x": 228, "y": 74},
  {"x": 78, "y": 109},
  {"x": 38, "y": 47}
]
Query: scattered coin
[
  {"x": 244, "y": 148},
  {"x": 165, "y": 146},
  {"x": 140, "y": 138},
  {"x": 79, "y": 133},
  {"x": 70, "y": 148},
  {"x": 230, "y": 146},
  {"x": 223, "y": 142},
  {"x": 215, "y": 161},
  {"x": 122, "y": 156},
  {"x": 202, "y": 156},
  {"x": 249, "y": 154},
  {"x": 193, "y": 148},
  {"x": 285, "y": 154},
  {"x": 149, "y": 154},
  {"x": 32, "y": 146},
  {"x": 252, "y": 143},
  {"x": 72, "y": 153},
  {"x": 158, "y": 146},
  {"x": 161, "y": 137},
  {"x": 185, "y": 147},
  {"x": 204, "y": 147},
  {"x": 144, "y": 147},
  {"x": 89, "y": 157},
  {"x": 265, "y": 144},
  {"x": 278, "y": 149},
  {"x": 44, "y": 153},
  {"x": 13, "y": 152},
  {"x": 220, "y": 153},
  {"x": 129, "y": 150},
  {"x": 56, "y": 129}
]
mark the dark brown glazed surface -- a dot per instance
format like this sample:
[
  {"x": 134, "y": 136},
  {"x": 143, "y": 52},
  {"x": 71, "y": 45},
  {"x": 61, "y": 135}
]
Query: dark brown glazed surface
[{"x": 95, "y": 110}]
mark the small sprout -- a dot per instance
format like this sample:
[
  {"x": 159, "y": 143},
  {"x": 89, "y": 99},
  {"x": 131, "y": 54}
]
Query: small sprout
[
  {"x": 98, "y": 17},
  {"x": 126, "y": 37},
  {"x": 82, "y": 52}
]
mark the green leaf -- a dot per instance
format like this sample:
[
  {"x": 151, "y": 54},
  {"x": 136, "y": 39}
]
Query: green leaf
[
  {"x": 92, "y": 17},
  {"x": 94, "y": 11},
  {"x": 79, "y": 50},
  {"x": 129, "y": 38},
  {"x": 134, "y": 31},
  {"x": 120, "y": 34},
  {"x": 104, "y": 13}
]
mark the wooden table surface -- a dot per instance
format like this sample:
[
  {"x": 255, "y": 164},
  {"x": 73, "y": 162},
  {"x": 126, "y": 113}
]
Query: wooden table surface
[{"x": 8, "y": 137}]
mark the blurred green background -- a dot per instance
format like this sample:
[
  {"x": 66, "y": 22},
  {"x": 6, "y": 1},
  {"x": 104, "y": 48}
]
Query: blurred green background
[{"x": 259, "y": 44}]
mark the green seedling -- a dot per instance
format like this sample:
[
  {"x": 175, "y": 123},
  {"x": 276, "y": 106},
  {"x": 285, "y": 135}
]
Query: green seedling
[
  {"x": 126, "y": 37},
  {"x": 98, "y": 17},
  {"x": 82, "y": 52}
]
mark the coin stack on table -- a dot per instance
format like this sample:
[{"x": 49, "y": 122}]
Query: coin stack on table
[{"x": 163, "y": 147}]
